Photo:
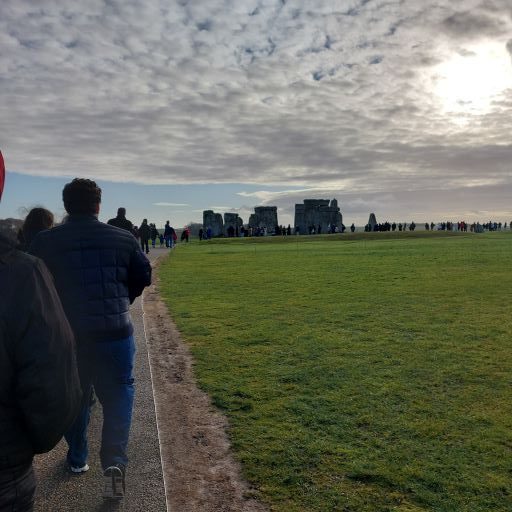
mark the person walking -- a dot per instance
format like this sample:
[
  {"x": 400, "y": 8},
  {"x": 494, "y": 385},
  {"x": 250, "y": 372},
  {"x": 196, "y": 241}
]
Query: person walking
[
  {"x": 169, "y": 235},
  {"x": 144, "y": 234},
  {"x": 37, "y": 219},
  {"x": 121, "y": 221},
  {"x": 99, "y": 270},
  {"x": 40, "y": 391},
  {"x": 153, "y": 233}
]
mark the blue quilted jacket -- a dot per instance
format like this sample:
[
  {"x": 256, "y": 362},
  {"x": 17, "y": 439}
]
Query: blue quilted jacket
[{"x": 99, "y": 270}]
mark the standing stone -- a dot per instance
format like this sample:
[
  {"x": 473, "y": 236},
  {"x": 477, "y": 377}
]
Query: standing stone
[
  {"x": 316, "y": 213},
  {"x": 214, "y": 222},
  {"x": 372, "y": 222},
  {"x": 232, "y": 224},
  {"x": 264, "y": 217}
]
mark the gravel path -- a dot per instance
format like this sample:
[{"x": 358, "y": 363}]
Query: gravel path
[{"x": 60, "y": 491}]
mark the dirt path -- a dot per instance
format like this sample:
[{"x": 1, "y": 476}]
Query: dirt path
[{"x": 200, "y": 472}]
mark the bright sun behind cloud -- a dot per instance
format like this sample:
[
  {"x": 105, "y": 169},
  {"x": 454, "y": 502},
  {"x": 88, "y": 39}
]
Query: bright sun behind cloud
[{"x": 468, "y": 84}]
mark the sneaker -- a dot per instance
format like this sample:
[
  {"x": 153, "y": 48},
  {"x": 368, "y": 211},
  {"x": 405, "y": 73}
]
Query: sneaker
[
  {"x": 113, "y": 483},
  {"x": 79, "y": 469}
]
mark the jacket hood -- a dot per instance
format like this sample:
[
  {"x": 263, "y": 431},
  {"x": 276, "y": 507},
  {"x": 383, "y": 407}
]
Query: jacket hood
[{"x": 7, "y": 248}]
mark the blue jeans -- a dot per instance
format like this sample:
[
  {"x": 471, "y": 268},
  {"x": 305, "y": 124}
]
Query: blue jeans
[{"x": 107, "y": 366}]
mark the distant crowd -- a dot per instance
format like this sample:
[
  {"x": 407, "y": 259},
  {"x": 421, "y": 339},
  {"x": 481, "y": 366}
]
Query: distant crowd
[
  {"x": 39, "y": 219},
  {"x": 463, "y": 226}
]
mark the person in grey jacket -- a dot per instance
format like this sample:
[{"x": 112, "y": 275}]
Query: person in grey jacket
[
  {"x": 99, "y": 270},
  {"x": 40, "y": 393}
]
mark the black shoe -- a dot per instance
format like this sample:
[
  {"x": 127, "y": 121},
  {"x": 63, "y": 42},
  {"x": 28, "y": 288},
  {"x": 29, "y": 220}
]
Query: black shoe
[{"x": 113, "y": 483}]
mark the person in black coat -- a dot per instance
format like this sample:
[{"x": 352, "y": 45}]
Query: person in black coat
[
  {"x": 144, "y": 232},
  {"x": 99, "y": 270},
  {"x": 121, "y": 221},
  {"x": 40, "y": 391},
  {"x": 153, "y": 233}
]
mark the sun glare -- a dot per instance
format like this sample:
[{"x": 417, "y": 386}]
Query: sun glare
[{"x": 468, "y": 84}]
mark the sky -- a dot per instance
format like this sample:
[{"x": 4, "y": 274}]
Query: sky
[{"x": 397, "y": 107}]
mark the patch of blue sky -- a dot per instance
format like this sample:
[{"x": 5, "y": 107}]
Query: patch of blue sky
[{"x": 181, "y": 204}]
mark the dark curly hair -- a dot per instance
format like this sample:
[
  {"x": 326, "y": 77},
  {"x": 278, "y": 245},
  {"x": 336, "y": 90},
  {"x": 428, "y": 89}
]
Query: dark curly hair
[{"x": 81, "y": 196}]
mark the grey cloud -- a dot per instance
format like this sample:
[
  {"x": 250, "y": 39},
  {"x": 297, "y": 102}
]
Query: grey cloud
[
  {"x": 466, "y": 53},
  {"x": 204, "y": 25},
  {"x": 250, "y": 92},
  {"x": 470, "y": 24}
]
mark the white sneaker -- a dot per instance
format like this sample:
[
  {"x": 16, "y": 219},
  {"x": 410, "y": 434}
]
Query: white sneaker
[
  {"x": 113, "y": 483},
  {"x": 77, "y": 469}
]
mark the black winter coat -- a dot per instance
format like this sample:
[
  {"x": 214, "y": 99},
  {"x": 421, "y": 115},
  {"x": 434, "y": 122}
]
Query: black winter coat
[
  {"x": 121, "y": 222},
  {"x": 99, "y": 270},
  {"x": 144, "y": 232},
  {"x": 39, "y": 385}
]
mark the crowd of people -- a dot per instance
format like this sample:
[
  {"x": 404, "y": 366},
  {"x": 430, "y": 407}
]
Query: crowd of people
[
  {"x": 66, "y": 338},
  {"x": 146, "y": 232},
  {"x": 461, "y": 226},
  {"x": 38, "y": 219}
]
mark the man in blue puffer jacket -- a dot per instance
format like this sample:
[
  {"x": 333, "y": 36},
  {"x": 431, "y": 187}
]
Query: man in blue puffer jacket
[{"x": 99, "y": 270}]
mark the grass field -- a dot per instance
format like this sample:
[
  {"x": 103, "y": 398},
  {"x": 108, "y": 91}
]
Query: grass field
[{"x": 359, "y": 373}]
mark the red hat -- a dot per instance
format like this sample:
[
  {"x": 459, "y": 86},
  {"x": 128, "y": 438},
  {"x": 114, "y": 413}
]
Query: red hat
[{"x": 2, "y": 174}]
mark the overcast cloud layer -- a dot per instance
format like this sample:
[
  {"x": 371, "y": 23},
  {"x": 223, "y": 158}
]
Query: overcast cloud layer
[{"x": 339, "y": 97}]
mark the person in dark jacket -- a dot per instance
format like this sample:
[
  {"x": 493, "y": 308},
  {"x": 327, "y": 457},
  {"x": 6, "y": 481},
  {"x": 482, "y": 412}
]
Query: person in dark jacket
[
  {"x": 153, "y": 233},
  {"x": 121, "y": 221},
  {"x": 99, "y": 270},
  {"x": 39, "y": 386},
  {"x": 37, "y": 219},
  {"x": 144, "y": 233},
  {"x": 169, "y": 235}
]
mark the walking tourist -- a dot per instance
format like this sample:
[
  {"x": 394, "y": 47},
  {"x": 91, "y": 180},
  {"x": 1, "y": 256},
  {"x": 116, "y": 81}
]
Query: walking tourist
[
  {"x": 144, "y": 233},
  {"x": 153, "y": 233},
  {"x": 38, "y": 219},
  {"x": 121, "y": 221},
  {"x": 39, "y": 386},
  {"x": 169, "y": 235},
  {"x": 98, "y": 270}
]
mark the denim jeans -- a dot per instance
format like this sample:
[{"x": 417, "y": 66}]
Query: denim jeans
[
  {"x": 17, "y": 488},
  {"x": 108, "y": 366}
]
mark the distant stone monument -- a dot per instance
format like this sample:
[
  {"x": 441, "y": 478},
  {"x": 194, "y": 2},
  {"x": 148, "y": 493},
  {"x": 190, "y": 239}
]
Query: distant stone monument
[
  {"x": 318, "y": 212},
  {"x": 232, "y": 224},
  {"x": 264, "y": 217},
  {"x": 214, "y": 222},
  {"x": 194, "y": 228},
  {"x": 372, "y": 222}
]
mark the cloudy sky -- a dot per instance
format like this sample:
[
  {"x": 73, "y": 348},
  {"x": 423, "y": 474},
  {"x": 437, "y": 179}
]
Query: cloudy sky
[{"x": 398, "y": 107}]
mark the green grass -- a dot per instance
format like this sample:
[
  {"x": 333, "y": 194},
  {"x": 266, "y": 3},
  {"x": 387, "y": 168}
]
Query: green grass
[{"x": 363, "y": 373}]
